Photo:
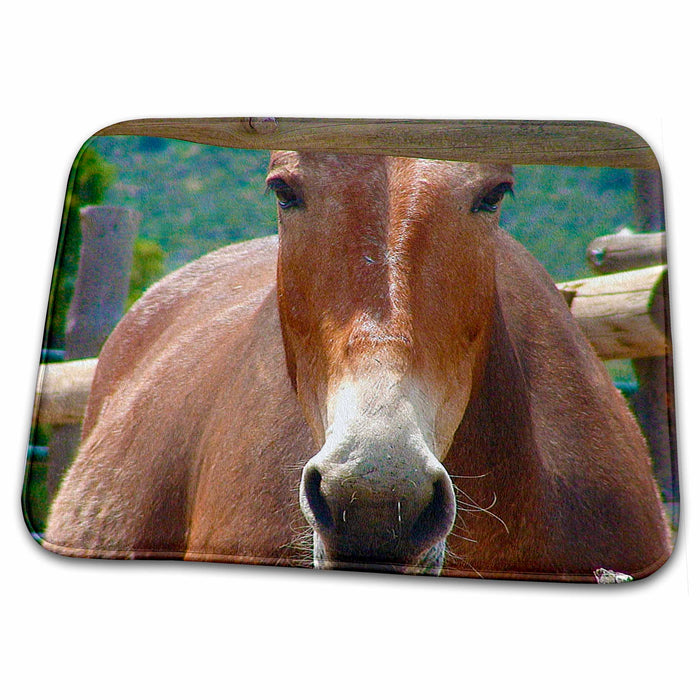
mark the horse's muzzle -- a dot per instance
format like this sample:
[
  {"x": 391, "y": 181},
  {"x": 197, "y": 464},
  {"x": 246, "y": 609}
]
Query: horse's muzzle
[{"x": 389, "y": 515}]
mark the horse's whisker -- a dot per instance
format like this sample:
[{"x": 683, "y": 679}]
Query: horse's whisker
[
  {"x": 461, "y": 537},
  {"x": 471, "y": 506},
  {"x": 451, "y": 555}
]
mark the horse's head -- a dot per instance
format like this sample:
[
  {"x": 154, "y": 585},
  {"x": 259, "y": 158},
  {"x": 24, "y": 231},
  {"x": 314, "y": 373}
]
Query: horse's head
[{"x": 386, "y": 289}]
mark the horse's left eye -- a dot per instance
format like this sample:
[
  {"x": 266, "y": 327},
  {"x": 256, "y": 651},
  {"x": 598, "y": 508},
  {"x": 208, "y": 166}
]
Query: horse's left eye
[
  {"x": 490, "y": 201},
  {"x": 286, "y": 196}
]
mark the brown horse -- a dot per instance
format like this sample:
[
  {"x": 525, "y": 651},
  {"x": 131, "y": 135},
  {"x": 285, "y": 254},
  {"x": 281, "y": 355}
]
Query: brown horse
[{"x": 396, "y": 365}]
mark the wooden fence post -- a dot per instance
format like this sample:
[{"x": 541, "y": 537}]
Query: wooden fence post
[
  {"x": 102, "y": 283},
  {"x": 654, "y": 402},
  {"x": 101, "y": 289}
]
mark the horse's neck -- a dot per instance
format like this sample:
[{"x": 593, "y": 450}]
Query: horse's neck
[{"x": 495, "y": 441}]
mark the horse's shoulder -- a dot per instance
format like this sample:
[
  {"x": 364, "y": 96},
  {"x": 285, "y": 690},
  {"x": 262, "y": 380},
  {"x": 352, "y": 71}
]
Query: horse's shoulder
[
  {"x": 192, "y": 315},
  {"x": 571, "y": 396}
]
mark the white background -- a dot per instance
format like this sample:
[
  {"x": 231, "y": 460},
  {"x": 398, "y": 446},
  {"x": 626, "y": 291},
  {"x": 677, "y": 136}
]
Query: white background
[{"x": 75, "y": 629}]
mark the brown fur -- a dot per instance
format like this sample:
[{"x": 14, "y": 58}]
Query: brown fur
[{"x": 206, "y": 407}]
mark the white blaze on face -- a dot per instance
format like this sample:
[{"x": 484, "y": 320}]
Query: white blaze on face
[{"x": 370, "y": 412}]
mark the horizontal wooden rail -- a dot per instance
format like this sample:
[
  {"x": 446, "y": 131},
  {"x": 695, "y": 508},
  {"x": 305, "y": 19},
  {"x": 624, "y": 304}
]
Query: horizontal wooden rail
[
  {"x": 62, "y": 392},
  {"x": 585, "y": 143},
  {"x": 626, "y": 250},
  {"x": 621, "y": 314}
]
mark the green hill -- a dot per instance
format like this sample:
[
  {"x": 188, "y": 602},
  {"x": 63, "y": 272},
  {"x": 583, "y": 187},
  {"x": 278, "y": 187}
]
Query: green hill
[
  {"x": 193, "y": 198},
  {"x": 557, "y": 211}
]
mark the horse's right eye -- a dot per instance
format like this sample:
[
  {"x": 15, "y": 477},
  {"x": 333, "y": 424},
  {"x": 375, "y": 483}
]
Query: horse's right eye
[{"x": 286, "y": 196}]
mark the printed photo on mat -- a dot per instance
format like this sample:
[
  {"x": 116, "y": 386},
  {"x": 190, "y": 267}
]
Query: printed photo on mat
[{"x": 356, "y": 362}]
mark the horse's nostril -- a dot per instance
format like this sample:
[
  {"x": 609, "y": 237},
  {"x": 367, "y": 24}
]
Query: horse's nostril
[
  {"x": 436, "y": 519},
  {"x": 315, "y": 499}
]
